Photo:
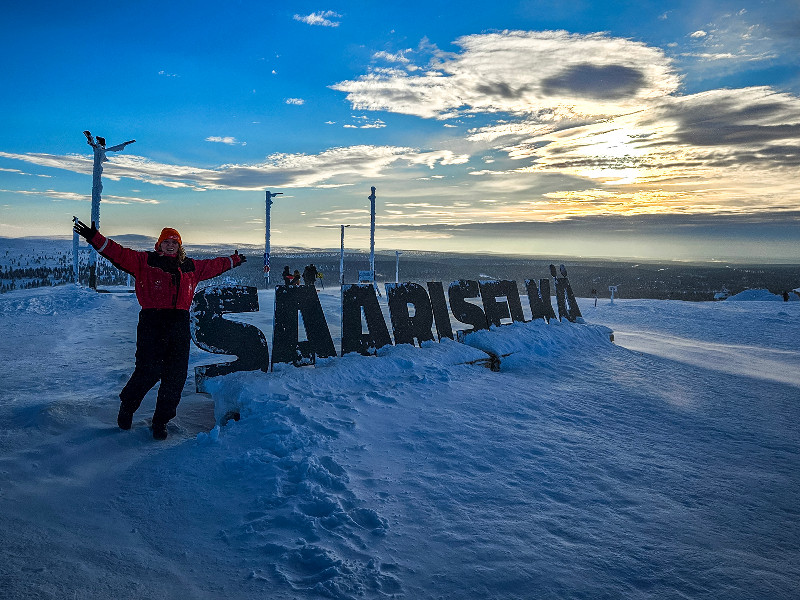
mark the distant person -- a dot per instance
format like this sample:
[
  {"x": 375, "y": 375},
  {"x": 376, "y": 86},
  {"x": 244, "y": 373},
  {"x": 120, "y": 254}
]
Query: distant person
[
  {"x": 295, "y": 277},
  {"x": 287, "y": 276},
  {"x": 165, "y": 283},
  {"x": 594, "y": 295},
  {"x": 310, "y": 275},
  {"x": 785, "y": 296}
]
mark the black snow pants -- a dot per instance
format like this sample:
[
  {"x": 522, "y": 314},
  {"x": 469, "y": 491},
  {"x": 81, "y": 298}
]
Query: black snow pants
[{"x": 162, "y": 353}]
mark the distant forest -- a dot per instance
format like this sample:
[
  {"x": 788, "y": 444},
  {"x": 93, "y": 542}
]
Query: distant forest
[
  {"x": 667, "y": 281},
  {"x": 35, "y": 265},
  {"x": 20, "y": 271}
]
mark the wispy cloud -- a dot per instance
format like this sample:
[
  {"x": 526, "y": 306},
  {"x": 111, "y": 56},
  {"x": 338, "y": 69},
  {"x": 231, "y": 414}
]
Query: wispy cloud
[
  {"x": 322, "y": 18},
  {"x": 335, "y": 166},
  {"x": 18, "y": 172},
  {"x": 229, "y": 140},
  {"x": 363, "y": 122},
  {"x": 732, "y": 42},
  {"x": 72, "y": 196},
  {"x": 376, "y": 124},
  {"x": 295, "y": 101},
  {"x": 398, "y": 57}
]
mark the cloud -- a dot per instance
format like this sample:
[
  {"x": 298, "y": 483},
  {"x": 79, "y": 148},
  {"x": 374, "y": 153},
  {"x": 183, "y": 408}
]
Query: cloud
[
  {"x": 397, "y": 57},
  {"x": 722, "y": 151},
  {"x": 522, "y": 72},
  {"x": 620, "y": 224},
  {"x": 321, "y": 18},
  {"x": 574, "y": 125},
  {"x": 335, "y": 166},
  {"x": 692, "y": 237},
  {"x": 733, "y": 43},
  {"x": 295, "y": 101},
  {"x": 230, "y": 141},
  {"x": 603, "y": 116},
  {"x": 365, "y": 123},
  {"x": 58, "y": 196},
  {"x": 605, "y": 82},
  {"x": 743, "y": 121}
]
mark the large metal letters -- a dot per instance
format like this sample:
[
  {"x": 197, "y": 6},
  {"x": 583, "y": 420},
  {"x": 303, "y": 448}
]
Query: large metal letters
[{"x": 413, "y": 312}]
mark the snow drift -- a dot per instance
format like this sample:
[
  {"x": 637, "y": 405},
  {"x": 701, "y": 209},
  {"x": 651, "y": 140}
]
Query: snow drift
[{"x": 662, "y": 466}]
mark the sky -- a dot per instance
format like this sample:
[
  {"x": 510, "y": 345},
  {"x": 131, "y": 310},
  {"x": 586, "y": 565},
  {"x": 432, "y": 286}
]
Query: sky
[{"x": 654, "y": 130}]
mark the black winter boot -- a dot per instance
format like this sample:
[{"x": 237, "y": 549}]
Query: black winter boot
[
  {"x": 159, "y": 431},
  {"x": 124, "y": 418}
]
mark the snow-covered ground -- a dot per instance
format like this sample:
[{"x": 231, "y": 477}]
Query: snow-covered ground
[{"x": 664, "y": 465}]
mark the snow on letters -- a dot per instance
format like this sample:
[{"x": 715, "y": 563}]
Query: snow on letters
[{"x": 413, "y": 310}]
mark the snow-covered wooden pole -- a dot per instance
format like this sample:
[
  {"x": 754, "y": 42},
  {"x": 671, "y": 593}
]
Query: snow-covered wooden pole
[
  {"x": 397, "y": 254},
  {"x": 99, "y": 147},
  {"x": 341, "y": 257},
  {"x": 75, "y": 264},
  {"x": 372, "y": 233},
  {"x": 97, "y": 190},
  {"x": 267, "y": 248}
]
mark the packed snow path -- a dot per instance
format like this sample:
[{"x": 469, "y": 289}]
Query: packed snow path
[{"x": 661, "y": 466}]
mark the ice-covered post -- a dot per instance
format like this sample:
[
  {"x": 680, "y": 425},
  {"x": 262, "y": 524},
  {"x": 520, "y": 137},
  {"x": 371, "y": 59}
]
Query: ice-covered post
[
  {"x": 341, "y": 258},
  {"x": 99, "y": 147},
  {"x": 397, "y": 254},
  {"x": 270, "y": 196},
  {"x": 75, "y": 252},
  {"x": 612, "y": 289},
  {"x": 372, "y": 233}
]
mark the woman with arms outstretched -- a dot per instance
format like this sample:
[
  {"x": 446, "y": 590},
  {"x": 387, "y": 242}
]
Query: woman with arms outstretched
[{"x": 165, "y": 283}]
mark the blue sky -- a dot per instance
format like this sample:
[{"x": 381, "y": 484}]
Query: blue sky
[{"x": 666, "y": 130}]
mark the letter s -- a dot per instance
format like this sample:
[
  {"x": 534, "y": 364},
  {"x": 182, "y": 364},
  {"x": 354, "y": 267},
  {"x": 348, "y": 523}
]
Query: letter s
[{"x": 213, "y": 333}]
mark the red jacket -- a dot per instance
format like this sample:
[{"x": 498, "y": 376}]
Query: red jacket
[{"x": 161, "y": 282}]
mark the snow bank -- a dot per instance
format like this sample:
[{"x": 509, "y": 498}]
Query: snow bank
[
  {"x": 662, "y": 466},
  {"x": 320, "y": 525},
  {"x": 537, "y": 340},
  {"x": 66, "y": 300},
  {"x": 756, "y": 295}
]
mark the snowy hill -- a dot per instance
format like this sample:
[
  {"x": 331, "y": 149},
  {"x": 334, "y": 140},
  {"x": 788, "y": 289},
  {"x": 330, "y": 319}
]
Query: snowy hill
[
  {"x": 663, "y": 465},
  {"x": 759, "y": 295}
]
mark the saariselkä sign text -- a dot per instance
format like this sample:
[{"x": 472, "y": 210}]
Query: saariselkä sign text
[{"x": 500, "y": 300}]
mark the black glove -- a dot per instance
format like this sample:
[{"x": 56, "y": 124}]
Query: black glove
[
  {"x": 85, "y": 232},
  {"x": 242, "y": 258}
]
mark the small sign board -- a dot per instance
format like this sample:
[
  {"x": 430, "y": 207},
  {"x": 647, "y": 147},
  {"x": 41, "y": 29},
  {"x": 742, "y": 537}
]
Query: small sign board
[{"x": 366, "y": 276}]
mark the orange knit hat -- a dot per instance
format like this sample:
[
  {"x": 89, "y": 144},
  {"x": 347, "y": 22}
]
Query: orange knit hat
[{"x": 168, "y": 233}]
